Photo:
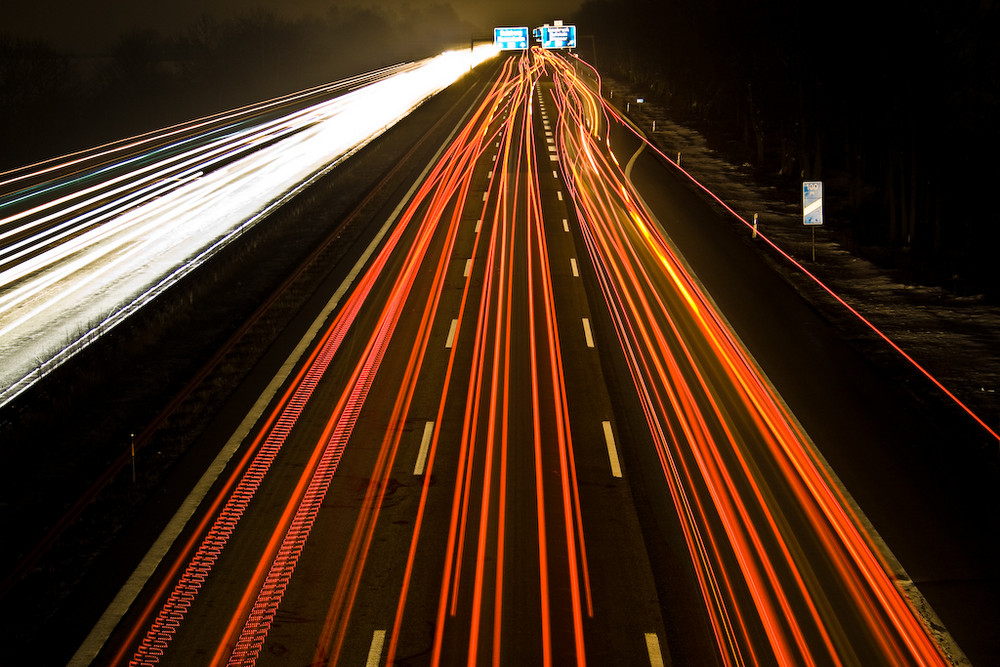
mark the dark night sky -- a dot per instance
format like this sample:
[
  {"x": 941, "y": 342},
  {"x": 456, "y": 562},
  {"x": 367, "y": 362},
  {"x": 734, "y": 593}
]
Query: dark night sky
[{"x": 80, "y": 27}]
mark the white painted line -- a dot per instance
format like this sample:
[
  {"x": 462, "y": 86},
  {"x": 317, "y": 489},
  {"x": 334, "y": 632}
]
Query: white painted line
[
  {"x": 572, "y": 263},
  {"x": 486, "y": 195},
  {"x": 555, "y": 174},
  {"x": 479, "y": 223},
  {"x": 653, "y": 648},
  {"x": 375, "y": 650},
  {"x": 565, "y": 225},
  {"x": 490, "y": 175},
  {"x": 616, "y": 470},
  {"x": 548, "y": 133},
  {"x": 549, "y": 139},
  {"x": 451, "y": 334},
  {"x": 559, "y": 194},
  {"x": 468, "y": 268},
  {"x": 554, "y": 158},
  {"x": 425, "y": 445},
  {"x": 586, "y": 332},
  {"x": 494, "y": 158}
]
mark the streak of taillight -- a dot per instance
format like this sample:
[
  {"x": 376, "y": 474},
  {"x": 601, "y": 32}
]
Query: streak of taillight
[
  {"x": 823, "y": 507},
  {"x": 572, "y": 518},
  {"x": 431, "y": 457}
]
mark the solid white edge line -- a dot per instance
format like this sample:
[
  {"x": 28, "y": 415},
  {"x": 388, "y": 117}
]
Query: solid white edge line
[
  {"x": 451, "y": 334},
  {"x": 609, "y": 439},
  {"x": 425, "y": 445},
  {"x": 121, "y": 603},
  {"x": 653, "y": 649},
  {"x": 587, "y": 332},
  {"x": 375, "y": 650}
]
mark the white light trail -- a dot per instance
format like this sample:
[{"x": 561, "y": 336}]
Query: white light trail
[{"x": 75, "y": 266}]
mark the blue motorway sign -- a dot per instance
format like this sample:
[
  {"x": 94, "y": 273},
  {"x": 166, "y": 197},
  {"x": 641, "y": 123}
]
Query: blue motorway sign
[
  {"x": 558, "y": 37},
  {"x": 812, "y": 202},
  {"x": 509, "y": 39}
]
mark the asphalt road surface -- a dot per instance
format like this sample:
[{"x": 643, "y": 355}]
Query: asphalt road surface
[{"x": 521, "y": 431}]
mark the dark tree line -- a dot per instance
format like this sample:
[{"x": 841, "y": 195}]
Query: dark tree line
[
  {"x": 52, "y": 103},
  {"x": 896, "y": 107}
]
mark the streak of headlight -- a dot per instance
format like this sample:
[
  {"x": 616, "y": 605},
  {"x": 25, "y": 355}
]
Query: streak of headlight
[
  {"x": 86, "y": 157},
  {"x": 198, "y": 218}
]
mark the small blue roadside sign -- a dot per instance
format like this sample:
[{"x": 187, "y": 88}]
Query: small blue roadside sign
[
  {"x": 510, "y": 39},
  {"x": 812, "y": 202}
]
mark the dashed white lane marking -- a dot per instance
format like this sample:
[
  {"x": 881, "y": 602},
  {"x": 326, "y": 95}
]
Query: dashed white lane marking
[
  {"x": 559, "y": 194},
  {"x": 653, "y": 649},
  {"x": 587, "y": 332},
  {"x": 468, "y": 268},
  {"x": 425, "y": 445},
  {"x": 375, "y": 650},
  {"x": 451, "y": 334},
  {"x": 486, "y": 195},
  {"x": 479, "y": 223},
  {"x": 572, "y": 263},
  {"x": 616, "y": 470},
  {"x": 565, "y": 225},
  {"x": 555, "y": 174}
]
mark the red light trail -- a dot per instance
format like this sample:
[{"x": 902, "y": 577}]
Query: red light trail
[
  {"x": 718, "y": 425},
  {"x": 489, "y": 563}
]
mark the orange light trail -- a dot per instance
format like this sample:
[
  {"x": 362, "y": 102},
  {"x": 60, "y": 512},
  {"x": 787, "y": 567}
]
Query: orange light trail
[
  {"x": 719, "y": 427},
  {"x": 786, "y": 570}
]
